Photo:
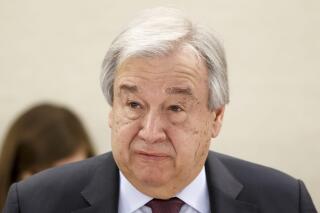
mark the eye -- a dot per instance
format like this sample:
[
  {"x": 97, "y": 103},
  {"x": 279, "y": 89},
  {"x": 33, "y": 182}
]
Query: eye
[
  {"x": 175, "y": 108},
  {"x": 134, "y": 105}
]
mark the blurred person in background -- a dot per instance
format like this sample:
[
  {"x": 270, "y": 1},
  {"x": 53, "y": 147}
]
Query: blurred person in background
[{"x": 44, "y": 136}]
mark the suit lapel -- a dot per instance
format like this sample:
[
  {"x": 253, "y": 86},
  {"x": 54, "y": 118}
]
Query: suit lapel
[
  {"x": 224, "y": 188},
  {"x": 102, "y": 192}
]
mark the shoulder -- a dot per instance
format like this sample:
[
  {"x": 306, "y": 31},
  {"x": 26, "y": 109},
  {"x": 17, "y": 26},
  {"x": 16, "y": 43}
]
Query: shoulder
[
  {"x": 260, "y": 184},
  {"x": 240, "y": 167},
  {"x": 267, "y": 188},
  {"x": 255, "y": 175},
  {"x": 58, "y": 188},
  {"x": 73, "y": 174}
]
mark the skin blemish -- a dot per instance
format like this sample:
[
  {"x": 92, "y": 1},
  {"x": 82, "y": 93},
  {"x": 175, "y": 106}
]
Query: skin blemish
[
  {"x": 195, "y": 132},
  {"x": 196, "y": 156}
]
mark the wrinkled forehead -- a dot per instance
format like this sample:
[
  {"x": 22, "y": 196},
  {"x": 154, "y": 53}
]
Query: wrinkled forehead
[
  {"x": 129, "y": 88},
  {"x": 182, "y": 59},
  {"x": 177, "y": 74},
  {"x": 180, "y": 68}
]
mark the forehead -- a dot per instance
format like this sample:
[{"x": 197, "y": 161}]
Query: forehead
[{"x": 181, "y": 68}]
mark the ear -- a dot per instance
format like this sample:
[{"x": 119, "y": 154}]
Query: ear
[
  {"x": 110, "y": 120},
  {"x": 217, "y": 123}
]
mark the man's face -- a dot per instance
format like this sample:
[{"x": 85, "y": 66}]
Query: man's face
[{"x": 161, "y": 123}]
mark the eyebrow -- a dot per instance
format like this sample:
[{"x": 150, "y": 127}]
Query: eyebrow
[
  {"x": 129, "y": 88},
  {"x": 178, "y": 90},
  {"x": 171, "y": 90}
]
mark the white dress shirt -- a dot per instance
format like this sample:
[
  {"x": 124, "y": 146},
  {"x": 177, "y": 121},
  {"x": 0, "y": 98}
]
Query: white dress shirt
[{"x": 195, "y": 196}]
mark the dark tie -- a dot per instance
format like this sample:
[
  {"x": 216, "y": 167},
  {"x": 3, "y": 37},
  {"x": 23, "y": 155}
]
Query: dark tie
[{"x": 172, "y": 205}]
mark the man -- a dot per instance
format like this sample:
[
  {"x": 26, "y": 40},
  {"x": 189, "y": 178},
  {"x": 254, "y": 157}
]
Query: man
[{"x": 166, "y": 80}]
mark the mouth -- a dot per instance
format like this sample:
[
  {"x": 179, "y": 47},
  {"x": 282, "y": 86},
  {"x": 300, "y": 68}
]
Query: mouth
[{"x": 152, "y": 156}]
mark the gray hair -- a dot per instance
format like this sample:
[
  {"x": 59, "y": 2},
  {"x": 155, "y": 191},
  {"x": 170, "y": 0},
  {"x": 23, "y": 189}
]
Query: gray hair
[{"x": 159, "y": 32}]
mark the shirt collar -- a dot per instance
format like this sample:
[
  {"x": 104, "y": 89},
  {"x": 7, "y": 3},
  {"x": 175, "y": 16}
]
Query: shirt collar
[
  {"x": 131, "y": 199},
  {"x": 196, "y": 193}
]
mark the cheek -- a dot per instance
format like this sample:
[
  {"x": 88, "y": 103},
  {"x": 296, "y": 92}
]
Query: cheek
[
  {"x": 123, "y": 132},
  {"x": 122, "y": 120},
  {"x": 202, "y": 135},
  {"x": 194, "y": 128},
  {"x": 191, "y": 139}
]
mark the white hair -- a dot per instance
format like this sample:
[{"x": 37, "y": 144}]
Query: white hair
[{"x": 159, "y": 32}]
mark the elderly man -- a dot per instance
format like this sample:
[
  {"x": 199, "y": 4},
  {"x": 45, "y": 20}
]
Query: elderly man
[{"x": 166, "y": 80}]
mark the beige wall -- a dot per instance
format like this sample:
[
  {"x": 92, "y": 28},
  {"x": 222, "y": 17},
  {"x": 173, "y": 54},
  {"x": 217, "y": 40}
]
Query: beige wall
[{"x": 52, "y": 50}]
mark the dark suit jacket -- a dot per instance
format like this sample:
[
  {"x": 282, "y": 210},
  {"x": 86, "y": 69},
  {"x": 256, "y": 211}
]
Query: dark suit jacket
[{"x": 92, "y": 186}]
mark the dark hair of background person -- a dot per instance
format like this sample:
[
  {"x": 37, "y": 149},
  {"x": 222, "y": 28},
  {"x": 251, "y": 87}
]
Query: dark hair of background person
[{"x": 39, "y": 138}]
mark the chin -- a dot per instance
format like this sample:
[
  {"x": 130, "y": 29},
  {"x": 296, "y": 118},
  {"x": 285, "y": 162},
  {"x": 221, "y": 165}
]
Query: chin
[{"x": 152, "y": 177}]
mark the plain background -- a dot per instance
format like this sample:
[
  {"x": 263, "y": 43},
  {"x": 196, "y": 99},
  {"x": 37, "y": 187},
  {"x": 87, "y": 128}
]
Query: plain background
[{"x": 52, "y": 51}]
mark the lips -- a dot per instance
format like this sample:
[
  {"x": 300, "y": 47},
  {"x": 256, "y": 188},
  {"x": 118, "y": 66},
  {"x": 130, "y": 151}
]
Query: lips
[{"x": 152, "y": 155}]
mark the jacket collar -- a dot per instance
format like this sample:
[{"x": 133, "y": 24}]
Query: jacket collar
[
  {"x": 102, "y": 192},
  {"x": 224, "y": 188}
]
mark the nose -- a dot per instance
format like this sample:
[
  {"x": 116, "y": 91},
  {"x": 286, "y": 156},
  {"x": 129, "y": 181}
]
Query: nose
[{"x": 152, "y": 129}]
